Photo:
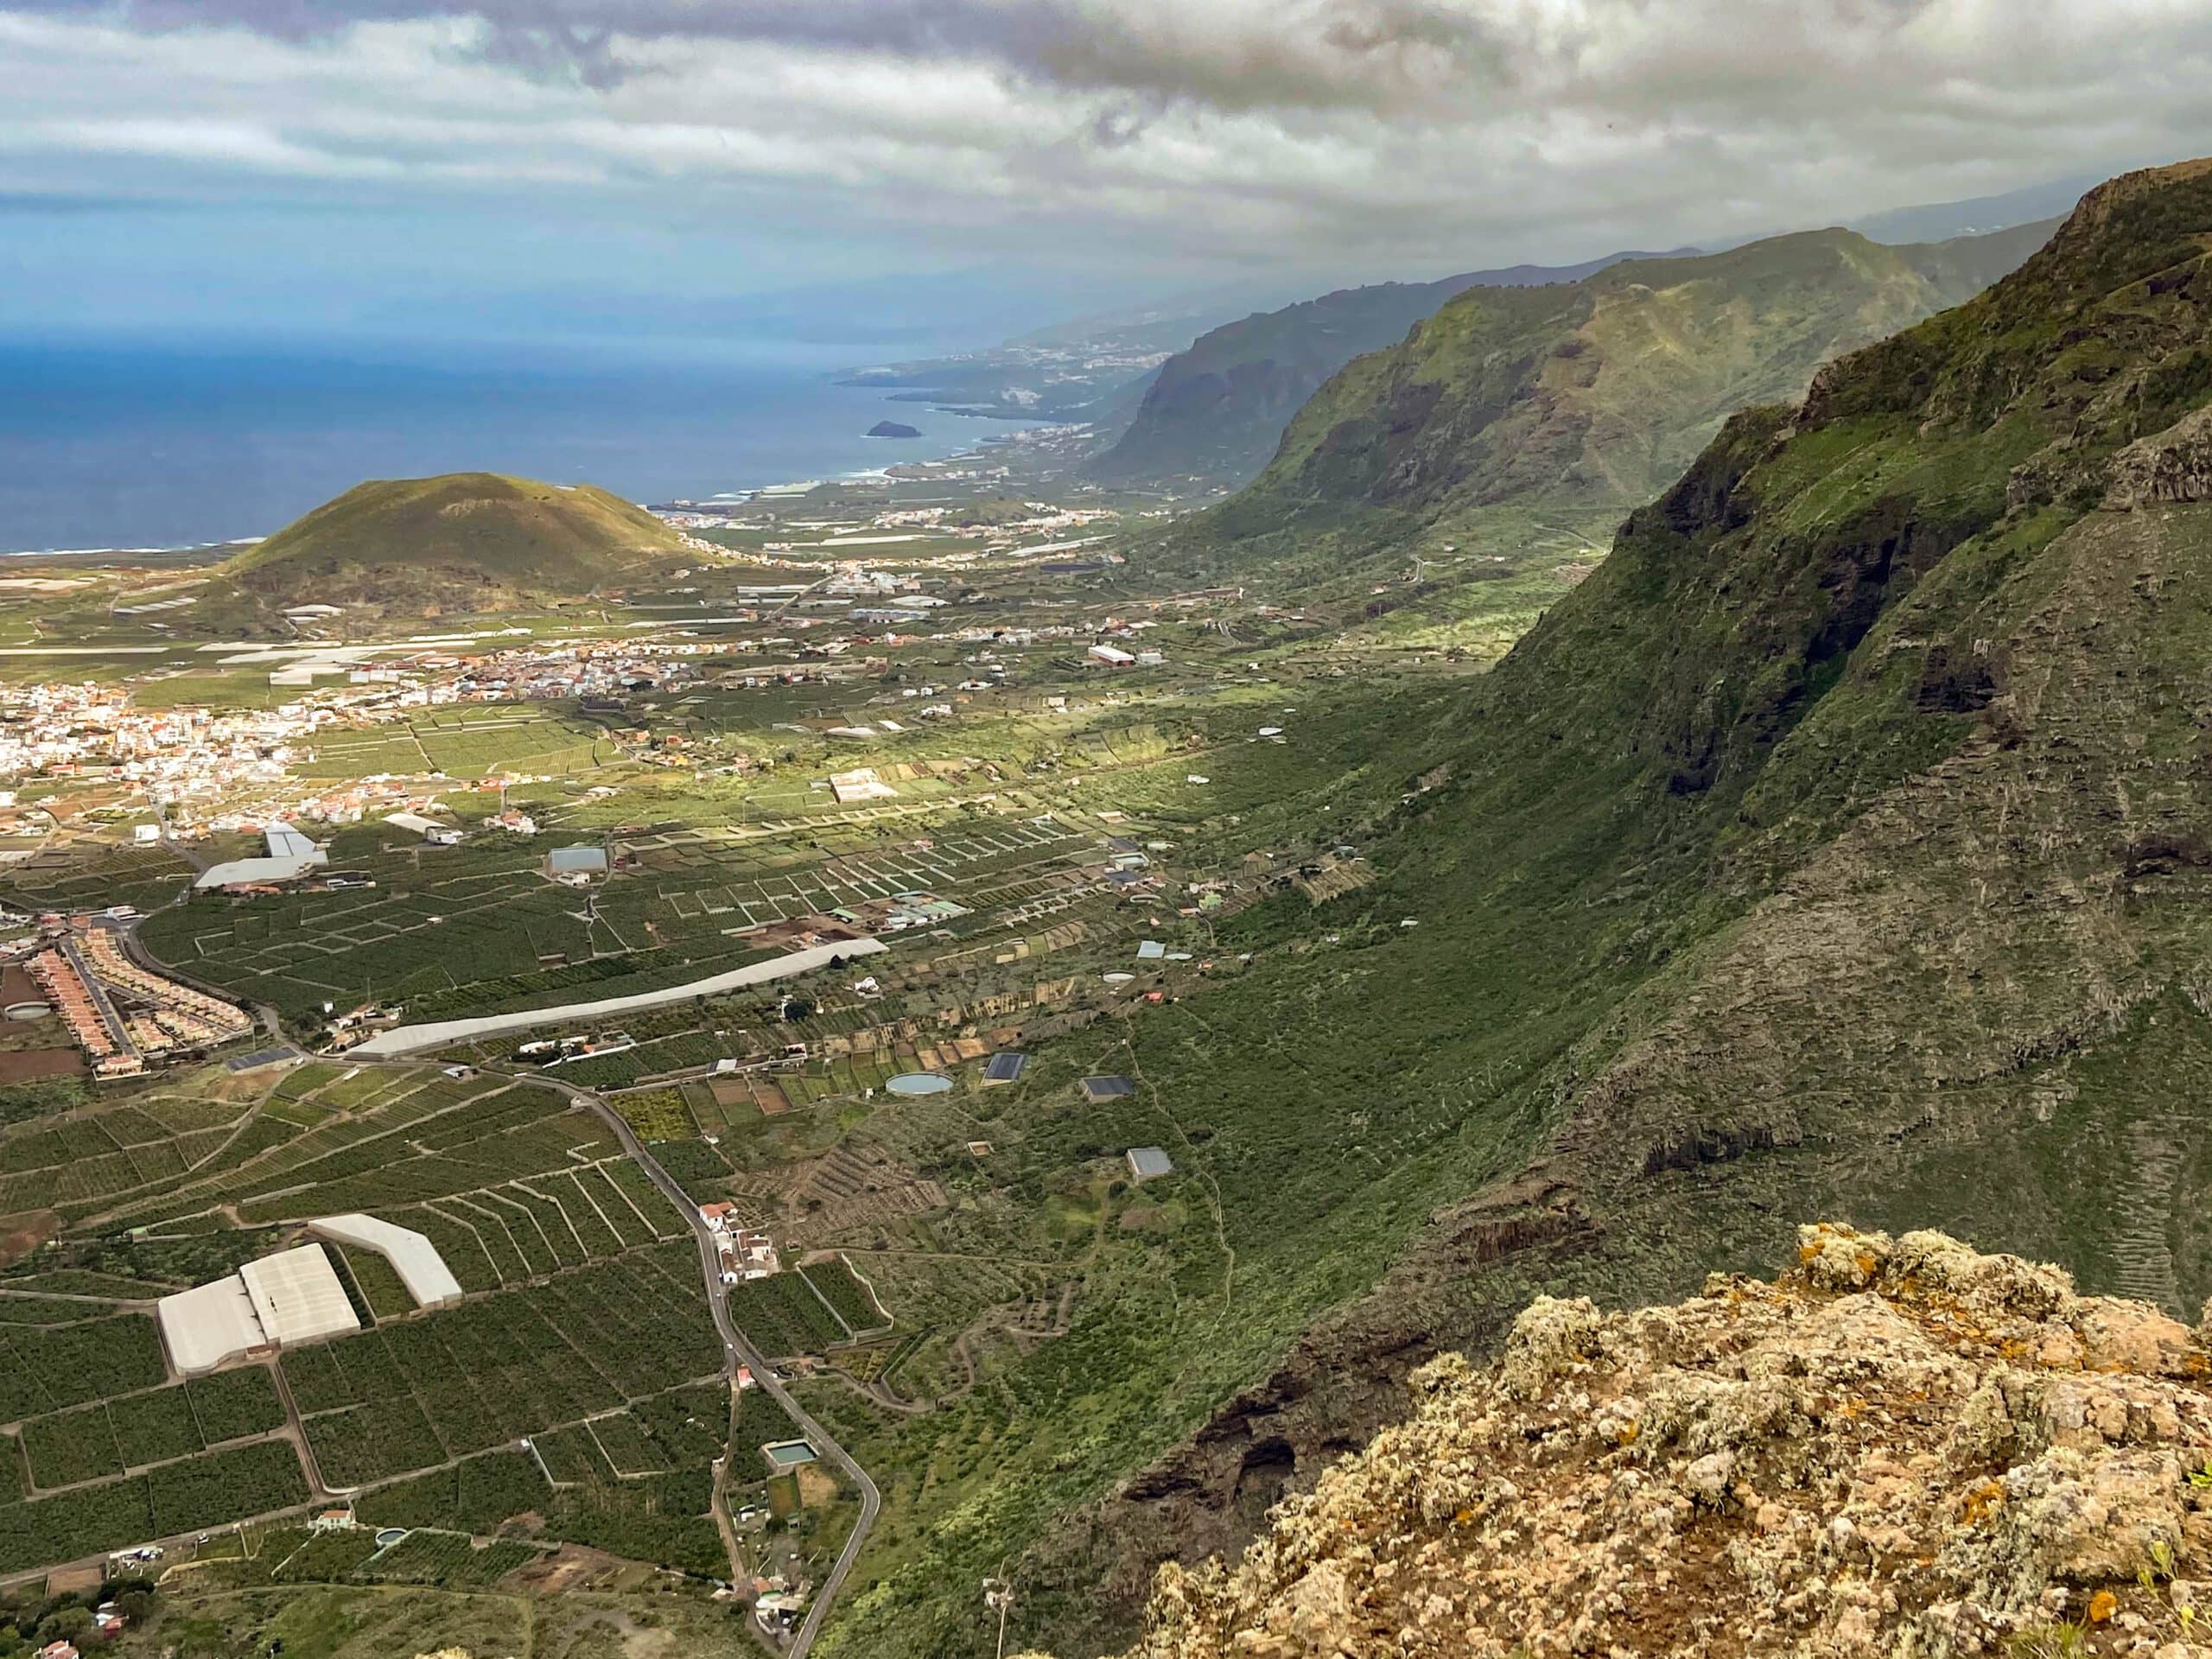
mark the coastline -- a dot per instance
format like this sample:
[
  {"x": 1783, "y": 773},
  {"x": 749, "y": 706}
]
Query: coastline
[{"x": 128, "y": 467}]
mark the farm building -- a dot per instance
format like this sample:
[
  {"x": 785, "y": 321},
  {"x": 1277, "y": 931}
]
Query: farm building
[
  {"x": 211, "y": 1323},
  {"x": 414, "y": 1257},
  {"x": 1147, "y": 1162},
  {"x": 864, "y": 784},
  {"x": 428, "y": 828},
  {"x": 290, "y": 856},
  {"x": 291, "y": 1297},
  {"x": 1107, "y": 1088},
  {"x": 298, "y": 1296}
]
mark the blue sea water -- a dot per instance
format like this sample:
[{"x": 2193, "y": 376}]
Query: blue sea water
[{"x": 130, "y": 445}]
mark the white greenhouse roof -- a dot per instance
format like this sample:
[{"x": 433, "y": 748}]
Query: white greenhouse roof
[
  {"x": 204, "y": 1326},
  {"x": 297, "y": 1297},
  {"x": 285, "y": 842},
  {"x": 414, "y": 1257},
  {"x": 241, "y": 870}
]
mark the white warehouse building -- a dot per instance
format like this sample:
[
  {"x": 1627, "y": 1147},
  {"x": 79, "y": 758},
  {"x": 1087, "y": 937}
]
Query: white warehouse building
[
  {"x": 413, "y": 1257},
  {"x": 294, "y": 1296},
  {"x": 290, "y": 856}
]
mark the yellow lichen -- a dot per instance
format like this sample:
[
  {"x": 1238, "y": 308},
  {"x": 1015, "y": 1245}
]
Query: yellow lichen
[{"x": 1983, "y": 1500}]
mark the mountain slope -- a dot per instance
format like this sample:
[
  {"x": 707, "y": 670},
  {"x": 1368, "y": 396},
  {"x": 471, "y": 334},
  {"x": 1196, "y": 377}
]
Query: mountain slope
[
  {"x": 460, "y": 541},
  {"x": 1590, "y": 396},
  {"x": 1842, "y": 844},
  {"x": 1214, "y": 412}
]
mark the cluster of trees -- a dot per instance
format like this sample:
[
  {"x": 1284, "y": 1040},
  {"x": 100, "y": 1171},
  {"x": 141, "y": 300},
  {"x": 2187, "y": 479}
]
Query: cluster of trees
[{"x": 27, "y": 1626}]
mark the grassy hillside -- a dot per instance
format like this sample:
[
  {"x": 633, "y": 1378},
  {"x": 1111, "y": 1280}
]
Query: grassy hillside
[
  {"x": 1213, "y": 413},
  {"x": 460, "y": 543},
  {"x": 1840, "y": 846},
  {"x": 1582, "y": 399}
]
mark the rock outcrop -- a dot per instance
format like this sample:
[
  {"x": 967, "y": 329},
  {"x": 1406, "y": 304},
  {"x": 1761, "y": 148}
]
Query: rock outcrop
[
  {"x": 2173, "y": 467},
  {"x": 1899, "y": 1447}
]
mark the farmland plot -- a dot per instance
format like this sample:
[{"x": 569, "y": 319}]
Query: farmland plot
[{"x": 487, "y": 1372}]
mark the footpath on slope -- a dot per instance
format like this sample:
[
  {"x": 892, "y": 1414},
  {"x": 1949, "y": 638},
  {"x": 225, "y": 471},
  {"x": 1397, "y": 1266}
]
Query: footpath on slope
[{"x": 1900, "y": 1447}]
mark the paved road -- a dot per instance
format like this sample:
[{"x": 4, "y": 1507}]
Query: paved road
[
  {"x": 738, "y": 1350},
  {"x": 135, "y": 947}
]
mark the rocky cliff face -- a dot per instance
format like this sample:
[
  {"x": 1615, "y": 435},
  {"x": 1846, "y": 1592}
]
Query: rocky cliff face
[{"x": 1900, "y": 1447}]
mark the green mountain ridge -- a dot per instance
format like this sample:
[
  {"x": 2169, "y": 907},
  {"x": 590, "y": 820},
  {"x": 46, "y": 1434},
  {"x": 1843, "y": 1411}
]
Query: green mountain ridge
[
  {"x": 1592, "y": 395},
  {"x": 458, "y": 542},
  {"x": 1840, "y": 844},
  {"x": 1215, "y": 411}
]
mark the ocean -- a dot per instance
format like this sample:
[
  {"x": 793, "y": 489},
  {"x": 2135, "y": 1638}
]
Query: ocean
[{"x": 126, "y": 445}]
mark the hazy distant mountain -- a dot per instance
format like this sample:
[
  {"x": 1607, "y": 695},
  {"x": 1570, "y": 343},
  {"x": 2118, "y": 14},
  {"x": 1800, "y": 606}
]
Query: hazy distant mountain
[{"x": 1976, "y": 216}]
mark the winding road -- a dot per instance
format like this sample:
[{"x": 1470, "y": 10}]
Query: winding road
[{"x": 738, "y": 1350}]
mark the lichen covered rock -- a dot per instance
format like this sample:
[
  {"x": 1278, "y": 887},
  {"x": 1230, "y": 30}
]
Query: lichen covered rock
[{"x": 1900, "y": 1447}]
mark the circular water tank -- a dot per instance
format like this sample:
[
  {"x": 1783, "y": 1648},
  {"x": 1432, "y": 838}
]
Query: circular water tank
[
  {"x": 27, "y": 1010},
  {"x": 919, "y": 1083}
]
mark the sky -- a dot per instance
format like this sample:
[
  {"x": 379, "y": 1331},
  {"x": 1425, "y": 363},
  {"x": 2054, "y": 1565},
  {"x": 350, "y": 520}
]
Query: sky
[{"x": 912, "y": 173}]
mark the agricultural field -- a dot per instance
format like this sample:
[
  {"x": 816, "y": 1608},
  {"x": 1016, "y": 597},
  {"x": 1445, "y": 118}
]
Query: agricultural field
[
  {"x": 849, "y": 1298},
  {"x": 975, "y": 1296},
  {"x": 478, "y": 928},
  {"x": 783, "y": 1314},
  {"x": 483, "y": 1373},
  {"x": 584, "y": 1302},
  {"x": 415, "y": 1138},
  {"x": 211, "y": 1489}
]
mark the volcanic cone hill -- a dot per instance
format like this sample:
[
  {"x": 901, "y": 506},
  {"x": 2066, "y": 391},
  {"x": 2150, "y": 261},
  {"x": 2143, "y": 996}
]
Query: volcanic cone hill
[{"x": 459, "y": 543}]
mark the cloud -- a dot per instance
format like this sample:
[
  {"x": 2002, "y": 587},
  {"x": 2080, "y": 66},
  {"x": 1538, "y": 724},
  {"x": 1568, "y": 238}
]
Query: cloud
[
  {"x": 1376, "y": 55},
  {"x": 1363, "y": 138}
]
